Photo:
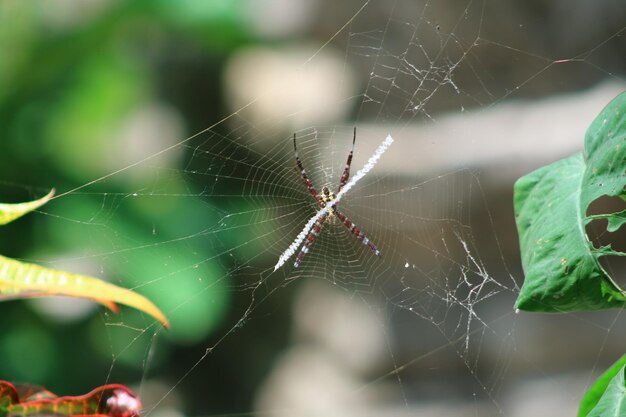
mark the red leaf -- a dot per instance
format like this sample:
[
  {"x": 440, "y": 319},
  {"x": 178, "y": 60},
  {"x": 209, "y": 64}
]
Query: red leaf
[{"x": 112, "y": 400}]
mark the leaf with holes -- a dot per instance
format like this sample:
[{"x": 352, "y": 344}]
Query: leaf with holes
[
  {"x": 607, "y": 396},
  {"x": 24, "y": 280},
  {"x": 112, "y": 400},
  {"x": 562, "y": 267}
]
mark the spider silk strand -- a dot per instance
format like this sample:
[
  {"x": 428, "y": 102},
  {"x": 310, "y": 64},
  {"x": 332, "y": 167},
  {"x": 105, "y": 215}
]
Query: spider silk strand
[{"x": 353, "y": 180}]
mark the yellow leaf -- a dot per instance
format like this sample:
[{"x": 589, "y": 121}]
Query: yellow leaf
[
  {"x": 25, "y": 280},
  {"x": 10, "y": 212}
]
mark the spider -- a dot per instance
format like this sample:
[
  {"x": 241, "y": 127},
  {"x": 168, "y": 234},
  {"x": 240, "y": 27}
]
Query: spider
[{"x": 325, "y": 197}]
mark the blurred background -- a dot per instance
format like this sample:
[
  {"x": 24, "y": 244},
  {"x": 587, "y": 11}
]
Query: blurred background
[{"x": 165, "y": 128}]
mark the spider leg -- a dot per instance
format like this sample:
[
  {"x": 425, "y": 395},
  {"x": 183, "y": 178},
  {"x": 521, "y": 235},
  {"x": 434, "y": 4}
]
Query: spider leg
[
  {"x": 310, "y": 239},
  {"x": 346, "y": 171},
  {"x": 356, "y": 231},
  {"x": 305, "y": 177}
]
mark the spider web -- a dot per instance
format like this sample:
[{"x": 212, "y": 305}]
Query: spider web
[{"x": 427, "y": 328}]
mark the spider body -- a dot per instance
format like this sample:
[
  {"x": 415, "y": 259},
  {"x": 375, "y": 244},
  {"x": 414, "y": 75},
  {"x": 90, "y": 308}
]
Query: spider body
[{"x": 326, "y": 196}]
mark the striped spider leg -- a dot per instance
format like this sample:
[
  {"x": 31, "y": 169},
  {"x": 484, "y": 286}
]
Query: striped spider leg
[
  {"x": 307, "y": 182},
  {"x": 356, "y": 231},
  {"x": 310, "y": 239},
  {"x": 346, "y": 172},
  {"x": 325, "y": 197}
]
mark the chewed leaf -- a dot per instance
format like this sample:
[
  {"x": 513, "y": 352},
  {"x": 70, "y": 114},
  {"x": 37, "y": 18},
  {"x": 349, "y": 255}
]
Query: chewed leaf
[
  {"x": 10, "y": 212},
  {"x": 599, "y": 392},
  {"x": 560, "y": 263},
  {"x": 616, "y": 220},
  {"x": 24, "y": 280},
  {"x": 113, "y": 400}
]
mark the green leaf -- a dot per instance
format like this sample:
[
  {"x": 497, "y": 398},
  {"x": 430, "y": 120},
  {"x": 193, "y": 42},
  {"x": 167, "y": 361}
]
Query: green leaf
[
  {"x": 607, "y": 396},
  {"x": 10, "y": 212},
  {"x": 560, "y": 263}
]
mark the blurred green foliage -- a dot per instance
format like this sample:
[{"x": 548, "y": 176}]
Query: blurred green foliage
[{"x": 71, "y": 81}]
